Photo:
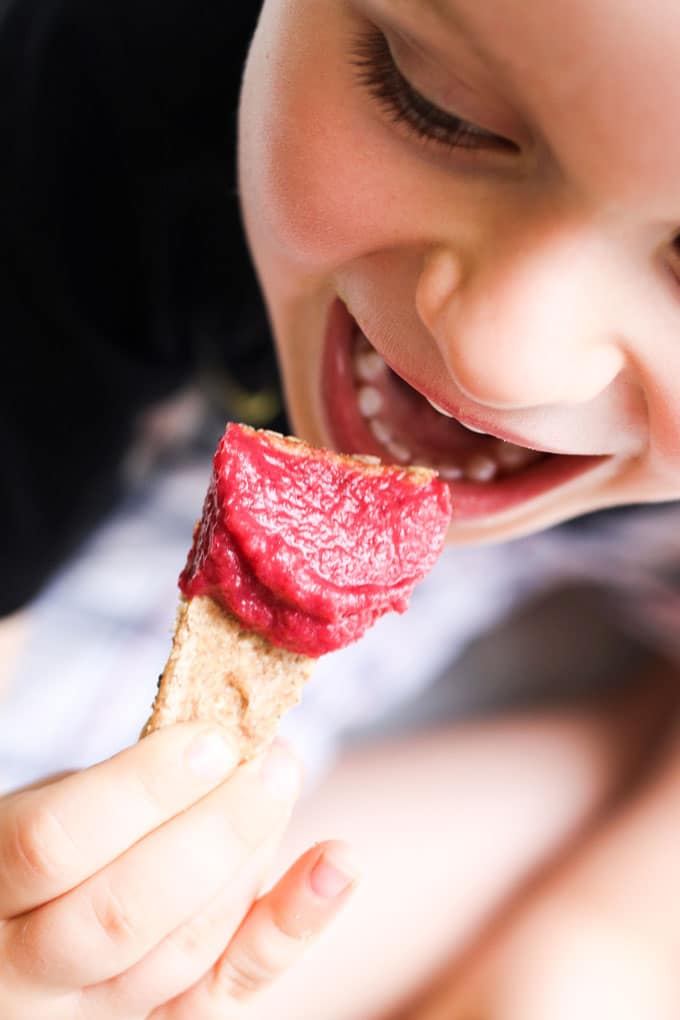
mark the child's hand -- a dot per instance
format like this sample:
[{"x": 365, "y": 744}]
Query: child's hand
[{"x": 126, "y": 886}]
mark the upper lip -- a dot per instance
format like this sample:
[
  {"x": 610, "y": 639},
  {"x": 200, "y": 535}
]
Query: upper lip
[
  {"x": 458, "y": 410},
  {"x": 475, "y": 422}
]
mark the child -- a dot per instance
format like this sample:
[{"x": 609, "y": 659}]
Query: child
[{"x": 456, "y": 211}]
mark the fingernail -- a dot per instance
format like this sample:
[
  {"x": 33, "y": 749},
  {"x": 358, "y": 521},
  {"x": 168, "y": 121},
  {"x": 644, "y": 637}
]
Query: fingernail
[
  {"x": 334, "y": 872},
  {"x": 280, "y": 772},
  {"x": 210, "y": 756}
]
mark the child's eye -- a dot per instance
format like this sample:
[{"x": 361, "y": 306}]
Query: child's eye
[{"x": 377, "y": 71}]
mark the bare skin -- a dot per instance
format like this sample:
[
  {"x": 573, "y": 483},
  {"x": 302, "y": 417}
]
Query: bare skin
[
  {"x": 593, "y": 937},
  {"x": 435, "y": 892},
  {"x": 526, "y": 281},
  {"x": 530, "y": 285},
  {"x": 132, "y": 889}
]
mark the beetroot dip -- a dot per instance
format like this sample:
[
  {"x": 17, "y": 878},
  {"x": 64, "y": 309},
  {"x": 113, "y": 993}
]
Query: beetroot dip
[{"x": 308, "y": 548}]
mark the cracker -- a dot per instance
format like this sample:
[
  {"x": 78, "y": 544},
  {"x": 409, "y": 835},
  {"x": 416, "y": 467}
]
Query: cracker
[{"x": 220, "y": 672}]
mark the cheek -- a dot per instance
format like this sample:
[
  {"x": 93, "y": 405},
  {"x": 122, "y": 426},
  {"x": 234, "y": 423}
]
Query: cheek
[{"x": 319, "y": 184}]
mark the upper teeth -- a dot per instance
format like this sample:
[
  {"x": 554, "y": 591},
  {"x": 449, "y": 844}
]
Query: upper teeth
[
  {"x": 447, "y": 414},
  {"x": 369, "y": 367},
  {"x": 370, "y": 401},
  {"x": 438, "y": 408},
  {"x": 511, "y": 457}
]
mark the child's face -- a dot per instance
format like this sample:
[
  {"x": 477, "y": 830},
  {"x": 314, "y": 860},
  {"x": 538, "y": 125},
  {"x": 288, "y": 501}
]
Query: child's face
[{"x": 517, "y": 269}]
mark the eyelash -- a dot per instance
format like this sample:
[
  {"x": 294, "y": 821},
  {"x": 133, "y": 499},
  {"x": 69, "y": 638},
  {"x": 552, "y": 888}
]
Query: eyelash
[{"x": 377, "y": 71}]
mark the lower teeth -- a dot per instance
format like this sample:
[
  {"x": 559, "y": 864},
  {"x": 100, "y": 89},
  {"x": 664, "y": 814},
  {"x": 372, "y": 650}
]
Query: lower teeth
[
  {"x": 401, "y": 453},
  {"x": 450, "y": 472},
  {"x": 380, "y": 431},
  {"x": 481, "y": 469}
]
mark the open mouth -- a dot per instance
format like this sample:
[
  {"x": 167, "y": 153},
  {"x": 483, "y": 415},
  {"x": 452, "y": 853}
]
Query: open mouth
[{"x": 371, "y": 410}]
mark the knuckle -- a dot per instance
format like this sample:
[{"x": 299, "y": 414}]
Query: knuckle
[
  {"x": 32, "y": 953},
  {"x": 240, "y": 974},
  {"x": 112, "y": 915},
  {"x": 268, "y": 952},
  {"x": 38, "y": 847},
  {"x": 191, "y": 938}
]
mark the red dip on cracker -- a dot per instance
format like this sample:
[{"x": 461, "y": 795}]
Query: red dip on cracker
[{"x": 308, "y": 548}]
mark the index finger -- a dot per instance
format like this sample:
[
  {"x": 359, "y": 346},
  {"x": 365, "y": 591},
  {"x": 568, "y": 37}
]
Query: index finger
[{"x": 54, "y": 837}]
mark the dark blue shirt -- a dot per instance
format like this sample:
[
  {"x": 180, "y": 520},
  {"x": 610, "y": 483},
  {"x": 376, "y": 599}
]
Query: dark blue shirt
[{"x": 123, "y": 265}]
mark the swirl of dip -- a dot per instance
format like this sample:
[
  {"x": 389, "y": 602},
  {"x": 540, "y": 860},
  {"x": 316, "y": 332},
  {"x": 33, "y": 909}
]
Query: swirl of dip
[{"x": 308, "y": 548}]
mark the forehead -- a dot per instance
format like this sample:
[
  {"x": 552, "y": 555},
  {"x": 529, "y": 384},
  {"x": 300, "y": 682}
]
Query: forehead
[{"x": 600, "y": 80}]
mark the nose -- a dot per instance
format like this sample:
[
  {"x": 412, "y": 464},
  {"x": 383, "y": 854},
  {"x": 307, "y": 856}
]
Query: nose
[{"x": 522, "y": 328}]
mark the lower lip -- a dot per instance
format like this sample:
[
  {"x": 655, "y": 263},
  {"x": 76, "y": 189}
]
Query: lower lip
[{"x": 350, "y": 434}]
